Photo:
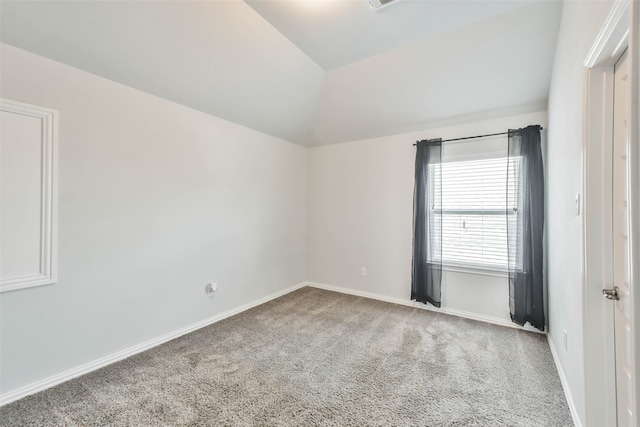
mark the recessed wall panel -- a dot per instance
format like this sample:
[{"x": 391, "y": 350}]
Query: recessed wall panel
[{"x": 27, "y": 195}]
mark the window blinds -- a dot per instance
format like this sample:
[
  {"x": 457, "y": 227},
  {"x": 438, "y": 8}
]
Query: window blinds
[{"x": 474, "y": 200}]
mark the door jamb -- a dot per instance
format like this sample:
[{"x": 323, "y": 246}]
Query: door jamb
[{"x": 621, "y": 30}]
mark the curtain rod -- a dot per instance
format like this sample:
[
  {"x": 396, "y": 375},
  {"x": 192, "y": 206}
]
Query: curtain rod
[{"x": 476, "y": 136}]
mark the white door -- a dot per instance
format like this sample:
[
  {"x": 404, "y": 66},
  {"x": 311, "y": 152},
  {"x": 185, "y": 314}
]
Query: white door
[{"x": 621, "y": 252}]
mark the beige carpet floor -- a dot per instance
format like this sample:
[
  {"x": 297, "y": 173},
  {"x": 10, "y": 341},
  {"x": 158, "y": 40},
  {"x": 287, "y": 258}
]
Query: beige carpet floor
[{"x": 318, "y": 358}]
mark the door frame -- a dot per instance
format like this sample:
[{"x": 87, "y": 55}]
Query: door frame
[{"x": 621, "y": 30}]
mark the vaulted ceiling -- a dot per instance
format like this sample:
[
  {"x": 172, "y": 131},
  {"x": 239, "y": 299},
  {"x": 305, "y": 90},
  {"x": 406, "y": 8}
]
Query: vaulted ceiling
[{"x": 309, "y": 71}]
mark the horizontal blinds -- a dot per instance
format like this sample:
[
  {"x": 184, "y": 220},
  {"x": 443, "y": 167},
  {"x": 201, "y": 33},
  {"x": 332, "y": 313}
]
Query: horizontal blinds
[{"x": 472, "y": 212}]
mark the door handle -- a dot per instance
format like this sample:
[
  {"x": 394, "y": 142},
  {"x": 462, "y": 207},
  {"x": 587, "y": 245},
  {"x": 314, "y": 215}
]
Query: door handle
[{"x": 611, "y": 294}]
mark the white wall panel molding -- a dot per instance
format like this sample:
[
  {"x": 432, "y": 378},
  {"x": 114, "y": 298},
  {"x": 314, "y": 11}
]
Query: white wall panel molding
[{"x": 28, "y": 195}]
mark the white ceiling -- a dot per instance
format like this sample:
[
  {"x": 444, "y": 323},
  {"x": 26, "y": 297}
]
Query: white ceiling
[
  {"x": 339, "y": 32},
  {"x": 261, "y": 63},
  {"x": 495, "y": 67},
  {"x": 219, "y": 57}
]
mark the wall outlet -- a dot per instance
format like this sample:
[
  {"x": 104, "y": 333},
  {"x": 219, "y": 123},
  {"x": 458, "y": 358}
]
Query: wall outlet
[
  {"x": 565, "y": 340},
  {"x": 363, "y": 272},
  {"x": 210, "y": 289}
]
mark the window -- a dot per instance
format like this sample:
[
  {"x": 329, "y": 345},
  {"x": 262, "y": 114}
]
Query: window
[{"x": 474, "y": 200}]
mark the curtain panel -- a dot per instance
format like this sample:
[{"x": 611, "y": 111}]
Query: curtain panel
[
  {"x": 525, "y": 226},
  {"x": 426, "y": 275}
]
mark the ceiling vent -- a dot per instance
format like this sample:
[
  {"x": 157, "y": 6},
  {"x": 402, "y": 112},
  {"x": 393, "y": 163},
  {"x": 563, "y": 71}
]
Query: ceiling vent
[{"x": 379, "y": 4}]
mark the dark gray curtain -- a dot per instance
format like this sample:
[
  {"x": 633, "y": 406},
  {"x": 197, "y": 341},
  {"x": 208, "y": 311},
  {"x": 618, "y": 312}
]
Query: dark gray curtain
[
  {"x": 525, "y": 225},
  {"x": 426, "y": 274}
]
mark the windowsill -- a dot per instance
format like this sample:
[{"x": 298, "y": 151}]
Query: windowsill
[{"x": 475, "y": 270}]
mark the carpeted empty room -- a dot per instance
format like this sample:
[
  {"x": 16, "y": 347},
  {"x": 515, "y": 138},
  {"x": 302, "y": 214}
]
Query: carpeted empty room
[
  {"x": 314, "y": 357},
  {"x": 320, "y": 213}
]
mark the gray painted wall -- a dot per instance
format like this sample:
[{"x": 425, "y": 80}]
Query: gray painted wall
[
  {"x": 156, "y": 200},
  {"x": 579, "y": 26},
  {"x": 361, "y": 213}
]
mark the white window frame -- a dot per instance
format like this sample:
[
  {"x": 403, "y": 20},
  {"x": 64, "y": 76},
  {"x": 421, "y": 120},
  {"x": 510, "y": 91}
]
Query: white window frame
[{"x": 470, "y": 266}]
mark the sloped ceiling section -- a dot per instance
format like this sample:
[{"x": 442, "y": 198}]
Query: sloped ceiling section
[
  {"x": 219, "y": 57},
  {"x": 495, "y": 67},
  {"x": 335, "y": 33},
  {"x": 410, "y": 66}
]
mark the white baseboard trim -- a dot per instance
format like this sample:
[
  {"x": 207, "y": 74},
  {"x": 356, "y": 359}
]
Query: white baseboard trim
[
  {"x": 410, "y": 303},
  {"x": 54, "y": 380},
  {"x": 565, "y": 385}
]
